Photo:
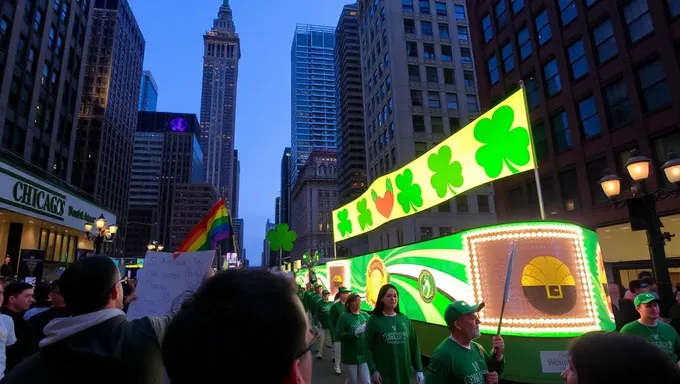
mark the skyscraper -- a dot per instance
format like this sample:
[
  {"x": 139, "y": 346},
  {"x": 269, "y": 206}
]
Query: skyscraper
[
  {"x": 284, "y": 207},
  {"x": 351, "y": 146},
  {"x": 222, "y": 52},
  {"x": 312, "y": 93},
  {"x": 148, "y": 94},
  {"x": 108, "y": 111},
  {"x": 235, "y": 185}
]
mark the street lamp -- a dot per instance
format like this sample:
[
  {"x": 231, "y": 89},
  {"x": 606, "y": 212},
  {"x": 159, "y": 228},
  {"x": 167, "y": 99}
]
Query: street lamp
[
  {"x": 102, "y": 233},
  {"x": 155, "y": 246},
  {"x": 642, "y": 213}
]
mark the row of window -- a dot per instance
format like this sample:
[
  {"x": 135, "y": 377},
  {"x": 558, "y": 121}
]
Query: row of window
[
  {"x": 425, "y": 8},
  {"x": 432, "y": 76},
  {"x": 427, "y": 29}
]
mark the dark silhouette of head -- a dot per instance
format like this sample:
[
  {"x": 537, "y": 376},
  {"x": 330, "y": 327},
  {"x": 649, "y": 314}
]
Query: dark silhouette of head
[
  {"x": 91, "y": 284},
  {"x": 379, "y": 305}
]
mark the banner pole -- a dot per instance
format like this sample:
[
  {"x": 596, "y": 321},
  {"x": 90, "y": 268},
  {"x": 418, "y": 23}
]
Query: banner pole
[{"x": 537, "y": 176}]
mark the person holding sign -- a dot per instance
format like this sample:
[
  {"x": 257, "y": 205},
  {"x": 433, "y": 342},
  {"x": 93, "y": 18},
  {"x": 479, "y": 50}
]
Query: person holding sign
[
  {"x": 350, "y": 332},
  {"x": 460, "y": 360}
]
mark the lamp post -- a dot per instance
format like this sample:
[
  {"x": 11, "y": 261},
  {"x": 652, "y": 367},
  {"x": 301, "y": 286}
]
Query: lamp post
[
  {"x": 155, "y": 246},
  {"x": 642, "y": 213},
  {"x": 102, "y": 233}
]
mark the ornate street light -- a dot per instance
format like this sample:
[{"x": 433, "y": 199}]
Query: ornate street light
[
  {"x": 155, "y": 246},
  {"x": 102, "y": 233}
]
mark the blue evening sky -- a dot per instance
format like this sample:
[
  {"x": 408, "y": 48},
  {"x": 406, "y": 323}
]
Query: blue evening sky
[{"x": 173, "y": 30}]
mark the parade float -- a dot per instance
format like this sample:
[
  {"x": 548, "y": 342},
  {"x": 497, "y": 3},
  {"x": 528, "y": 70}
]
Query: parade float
[{"x": 557, "y": 287}]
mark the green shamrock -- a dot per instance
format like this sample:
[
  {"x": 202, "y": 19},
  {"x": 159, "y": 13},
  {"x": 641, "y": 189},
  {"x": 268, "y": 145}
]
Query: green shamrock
[
  {"x": 504, "y": 145},
  {"x": 365, "y": 218},
  {"x": 447, "y": 174},
  {"x": 281, "y": 238},
  {"x": 344, "y": 224},
  {"x": 410, "y": 194}
]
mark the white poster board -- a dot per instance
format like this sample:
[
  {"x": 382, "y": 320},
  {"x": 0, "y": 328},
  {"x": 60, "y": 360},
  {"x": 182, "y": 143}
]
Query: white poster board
[
  {"x": 554, "y": 361},
  {"x": 167, "y": 280}
]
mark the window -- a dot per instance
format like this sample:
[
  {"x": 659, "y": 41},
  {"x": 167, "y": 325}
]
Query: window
[
  {"x": 433, "y": 100},
  {"x": 638, "y": 19},
  {"x": 590, "y": 122},
  {"x": 37, "y": 19},
  {"x": 567, "y": 11},
  {"x": 447, "y": 53},
  {"x": 431, "y": 73},
  {"x": 459, "y": 10},
  {"x": 409, "y": 26},
  {"x": 591, "y": 2},
  {"x": 662, "y": 146},
  {"x": 552, "y": 78},
  {"x": 420, "y": 148},
  {"x": 449, "y": 76},
  {"x": 673, "y": 8},
  {"x": 407, "y": 5},
  {"x": 524, "y": 43},
  {"x": 418, "y": 123},
  {"x": 492, "y": 66},
  {"x": 437, "y": 125},
  {"x": 508, "y": 57},
  {"x": 45, "y": 75},
  {"x": 561, "y": 133},
  {"x": 517, "y": 5},
  {"x": 603, "y": 36},
  {"x": 543, "y": 28},
  {"x": 424, "y": 6},
  {"x": 486, "y": 28},
  {"x": 540, "y": 141},
  {"x": 465, "y": 55},
  {"x": 444, "y": 207},
  {"x": 416, "y": 98},
  {"x": 454, "y": 124},
  {"x": 594, "y": 171},
  {"x": 412, "y": 49},
  {"x": 462, "y": 204},
  {"x": 451, "y": 101},
  {"x": 425, "y": 233},
  {"x": 444, "y": 31},
  {"x": 30, "y": 62},
  {"x": 440, "y": 8},
  {"x": 413, "y": 73},
  {"x": 657, "y": 92},
  {"x": 483, "y": 204},
  {"x": 577, "y": 58},
  {"x": 428, "y": 51},
  {"x": 571, "y": 194},
  {"x": 469, "y": 79},
  {"x": 618, "y": 106},
  {"x": 501, "y": 15},
  {"x": 472, "y": 103},
  {"x": 463, "y": 33},
  {"x": 445, "y": 231},
  {"x": 426, "y": 27}
]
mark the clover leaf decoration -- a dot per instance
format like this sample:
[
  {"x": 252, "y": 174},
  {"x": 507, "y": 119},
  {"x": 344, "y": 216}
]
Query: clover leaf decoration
[
  {"x": 344, "y": 224},
  {"x": 365, "y": 217},
  {"x": 447, "y": 175},
  {"x": 410, "y": 195},
  {"x": 504, "y": 146},
  {"x": 281, "y": 238}
]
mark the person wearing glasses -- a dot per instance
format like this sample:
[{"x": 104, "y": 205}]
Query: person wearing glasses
[
  {"x": 244, "y": 325},
  {"x": 349, "y": 331},
  {"x": 391, "y": 342}
]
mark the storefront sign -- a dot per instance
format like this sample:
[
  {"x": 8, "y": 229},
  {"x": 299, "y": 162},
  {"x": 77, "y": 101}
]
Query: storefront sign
[{"x": 26, "y": 194}]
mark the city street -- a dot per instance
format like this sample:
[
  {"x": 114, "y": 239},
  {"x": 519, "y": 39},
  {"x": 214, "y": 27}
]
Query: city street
[{"x": 323, "y": 372}]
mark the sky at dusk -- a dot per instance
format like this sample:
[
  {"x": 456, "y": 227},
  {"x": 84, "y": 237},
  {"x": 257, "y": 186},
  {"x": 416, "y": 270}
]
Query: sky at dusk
[{"x": 173, "y": 31}]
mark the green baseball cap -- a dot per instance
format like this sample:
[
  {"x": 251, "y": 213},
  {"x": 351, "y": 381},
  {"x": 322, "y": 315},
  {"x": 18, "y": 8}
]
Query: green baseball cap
[
  {"x": 645, "y": 298},
  {"x": 325, "y": 292},
  {"x": 460, "y": 308},
  {"x": 343, "y": 290},
  {"x": 317, "y": 286}
]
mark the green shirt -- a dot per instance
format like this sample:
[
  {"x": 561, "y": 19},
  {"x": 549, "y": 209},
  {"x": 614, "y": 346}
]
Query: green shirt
[
  {"x": 307, "y": 299},
  {"x": 313, "y": 302},
  {"x": 337, "y": 309},
  {"x": 392, "y": 348},
  {"x": 452, "y": 363},
  {"x": 353, "y": 347},
  {"x": 322, "y": 310},
  {"x": 662, "y": 335}
]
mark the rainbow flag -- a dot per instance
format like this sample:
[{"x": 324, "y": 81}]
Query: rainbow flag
[{"x": 215, "y": 226}]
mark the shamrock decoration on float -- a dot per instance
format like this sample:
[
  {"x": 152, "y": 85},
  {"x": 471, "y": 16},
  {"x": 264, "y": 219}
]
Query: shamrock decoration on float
[
  {"x": 409, "y": 196},
  {"x": 504, "y": 145},
  {"x": 281, "y": 238},
  {"x": 344, "y": 224},
  {"x": 365, "y": 217},
  {"x": 385, "y": 203},
  {"x": 447, "y": 175}
]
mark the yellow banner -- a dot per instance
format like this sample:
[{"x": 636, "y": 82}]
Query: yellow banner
[{"x": 496, "y": 145}]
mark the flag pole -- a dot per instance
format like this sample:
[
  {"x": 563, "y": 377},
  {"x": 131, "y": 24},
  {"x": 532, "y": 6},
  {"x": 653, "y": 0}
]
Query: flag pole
[{"x": 537, "y": 176}]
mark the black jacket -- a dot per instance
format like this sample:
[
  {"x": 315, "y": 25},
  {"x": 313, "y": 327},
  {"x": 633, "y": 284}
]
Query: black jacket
[
  {"x": 627, "y": 311},
  {"x": 106, "y": 348},
  {"x": 37, "y": 323}
]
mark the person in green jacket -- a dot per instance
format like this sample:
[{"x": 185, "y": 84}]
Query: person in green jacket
[
  {"x": 391, "y": 342},
  {"x": 311, "y": 296},
  {"x": 458, "y": 359},
  {"x": 322, "y": 309},
  {"x": 350, "y": 333},
  {"x": 337, "y": 309}
]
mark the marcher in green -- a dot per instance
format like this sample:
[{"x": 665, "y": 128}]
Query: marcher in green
[
  {"x": 322, "y": 310},
  {"x": 350, "y": 333},
  {"x": 650, "y": 328},
  {"x": 391, "y": 342},
  {"x": 337, "y": 309},
  {"x": 458, "y": 359},
  {"x": 314, "y": 300}
]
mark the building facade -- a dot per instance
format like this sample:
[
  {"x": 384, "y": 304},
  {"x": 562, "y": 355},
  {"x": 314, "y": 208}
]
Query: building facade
[
  {"x": 239, "y": 232},
  {"x": 277, "y": 210},
  {"x": 222, "y": 52},
  {"x": 108, "y": 109},
  {"x": 313, "y": 110},
  {"x": 602, "y": 78},
  {"x": 190, "y": 202},
  {"x": 312, "y": 201},
  {"x": 148, "y": 93},
  {"x": 419, "y": 88},
  {"x": 283, "y": 210},
  {"x": 270, "y": 259},
  {"x": 235, "y": 185},
  {"x": 351, "y": 144}
]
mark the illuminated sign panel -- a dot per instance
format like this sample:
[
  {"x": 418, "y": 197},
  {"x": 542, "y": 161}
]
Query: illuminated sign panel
[
  {"x": 496, "y": 145},
  {"x": 555, "y": 289}
]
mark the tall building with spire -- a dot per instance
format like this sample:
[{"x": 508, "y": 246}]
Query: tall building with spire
[{"x": 218, "y": 101}]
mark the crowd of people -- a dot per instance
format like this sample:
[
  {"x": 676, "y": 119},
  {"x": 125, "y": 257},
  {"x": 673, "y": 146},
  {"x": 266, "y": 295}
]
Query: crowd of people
[{"x": 250, "y": 325}]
